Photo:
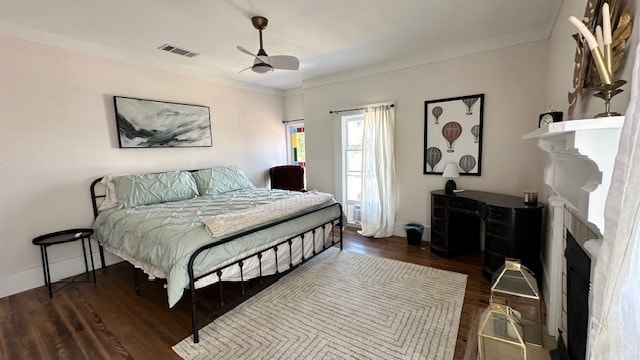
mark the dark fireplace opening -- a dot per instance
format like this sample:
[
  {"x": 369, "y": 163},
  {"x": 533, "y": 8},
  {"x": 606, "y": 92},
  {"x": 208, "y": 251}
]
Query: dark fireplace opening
[{"x": 578, "y": 278}]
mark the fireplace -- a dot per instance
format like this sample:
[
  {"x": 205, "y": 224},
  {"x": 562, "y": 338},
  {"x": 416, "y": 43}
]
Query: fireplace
[
  {"x": 576, "y": 260},
  {"x": 578, "y": 175},
  {"x": 578, "y": 280}
]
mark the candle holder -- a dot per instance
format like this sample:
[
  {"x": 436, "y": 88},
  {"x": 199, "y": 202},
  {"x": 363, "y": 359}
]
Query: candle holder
[
  {"x": 606, "y": 92},
  {"x": 530, "y": 198},
  {"x": 607, "y": 45}
]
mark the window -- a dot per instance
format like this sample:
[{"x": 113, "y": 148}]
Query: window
[
  {"x": 295, "y": 144},
  {"x": 352, "y": 135}
]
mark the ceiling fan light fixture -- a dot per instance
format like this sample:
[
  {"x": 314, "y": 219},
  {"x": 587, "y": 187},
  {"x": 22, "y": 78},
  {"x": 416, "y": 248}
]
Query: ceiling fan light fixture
[
  {"x": 262, "y": 63},
  {"x": 262, "y": 68}
]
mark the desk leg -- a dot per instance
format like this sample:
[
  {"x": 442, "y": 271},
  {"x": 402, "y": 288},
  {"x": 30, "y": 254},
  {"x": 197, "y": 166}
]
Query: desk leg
[
  {"x": 93, "y": 267},
  {"x": 46, "y": 261}
]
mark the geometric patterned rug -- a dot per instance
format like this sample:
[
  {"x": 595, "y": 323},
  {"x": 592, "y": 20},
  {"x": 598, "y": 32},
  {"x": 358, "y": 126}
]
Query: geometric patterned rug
[{"x": 341, "y": 305}]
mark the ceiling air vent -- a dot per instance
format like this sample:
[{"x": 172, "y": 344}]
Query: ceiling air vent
[{"x": 177, "y": 50}]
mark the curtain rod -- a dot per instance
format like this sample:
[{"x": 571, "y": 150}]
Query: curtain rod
[
  {"x": 295, "y": 120},
  {"x": 363, "y": 108}
]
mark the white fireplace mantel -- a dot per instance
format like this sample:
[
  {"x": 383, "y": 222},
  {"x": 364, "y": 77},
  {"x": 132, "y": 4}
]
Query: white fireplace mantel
[{"x": 582, "y": 157}]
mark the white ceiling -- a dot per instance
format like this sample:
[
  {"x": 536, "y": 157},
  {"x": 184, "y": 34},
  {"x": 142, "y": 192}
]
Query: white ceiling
[{"x": 333, "y": 39}]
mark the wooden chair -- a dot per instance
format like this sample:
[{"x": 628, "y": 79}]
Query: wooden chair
[{"x": 287, "y": 177}]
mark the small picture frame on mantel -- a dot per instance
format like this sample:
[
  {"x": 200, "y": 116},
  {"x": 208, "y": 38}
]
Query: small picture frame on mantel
[{"x": 549, "y": 117}]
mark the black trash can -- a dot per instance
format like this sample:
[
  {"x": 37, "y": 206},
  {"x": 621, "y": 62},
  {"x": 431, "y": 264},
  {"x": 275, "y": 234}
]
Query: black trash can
[{"x": 414, "y": 233}]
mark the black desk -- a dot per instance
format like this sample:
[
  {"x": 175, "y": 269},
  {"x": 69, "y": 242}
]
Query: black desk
[
  {"x": 61, "y": 237},
  {"x": 511, "y": 228}
]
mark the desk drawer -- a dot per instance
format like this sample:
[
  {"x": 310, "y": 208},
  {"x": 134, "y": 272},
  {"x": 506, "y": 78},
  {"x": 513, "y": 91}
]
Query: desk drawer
[
  {"x": 466, "y": 204},
  {"x": 499, "y": 213},
  {"x": 497, "y": 245},
  {"x": 439, "y": 200},
  {"x": 439, "y": 213},
  {"x": 498, "y": 229},
  {"x": 439, "y": 226},
  {"x": 437, "y": 239}
]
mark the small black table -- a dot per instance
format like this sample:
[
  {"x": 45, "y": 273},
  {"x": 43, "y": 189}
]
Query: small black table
[{"x": 61, "y": 237}]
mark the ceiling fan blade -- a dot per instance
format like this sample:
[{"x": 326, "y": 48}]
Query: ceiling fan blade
[
  {"x": 245, "y": 69},
  {"x": 248, "y": 52},
  {"x": 284, "y": 62}
]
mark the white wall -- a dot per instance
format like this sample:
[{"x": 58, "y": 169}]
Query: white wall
[
  {"x": 293, "y": 106},
  {"x": 512, "y": 80},
  {"x": 59, "y": 133}
]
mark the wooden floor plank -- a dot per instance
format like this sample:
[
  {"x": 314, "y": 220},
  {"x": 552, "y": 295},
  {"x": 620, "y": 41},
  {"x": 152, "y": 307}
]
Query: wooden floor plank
[{"x": 107, "y": 320}]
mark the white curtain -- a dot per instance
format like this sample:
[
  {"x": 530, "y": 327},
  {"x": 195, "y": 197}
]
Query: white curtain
[
  {"x": 378, "y": 173},
  {"x": 614, "y": 330}
]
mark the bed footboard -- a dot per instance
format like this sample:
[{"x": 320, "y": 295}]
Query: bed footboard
[{"x": 337, "y": 221}]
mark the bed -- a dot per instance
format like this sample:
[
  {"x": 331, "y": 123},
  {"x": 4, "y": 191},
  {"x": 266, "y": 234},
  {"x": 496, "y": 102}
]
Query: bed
[{"x": 204, "y": 227}]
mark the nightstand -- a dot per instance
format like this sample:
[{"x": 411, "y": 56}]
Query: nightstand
[{"x": 61, "y": 237}]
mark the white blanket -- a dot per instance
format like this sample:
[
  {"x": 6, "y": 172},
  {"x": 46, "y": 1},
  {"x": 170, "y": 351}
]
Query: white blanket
[{"x": 224, "y": 224}]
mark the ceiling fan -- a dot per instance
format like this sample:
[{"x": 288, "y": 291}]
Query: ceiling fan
[{"x": 264, "y": 63}]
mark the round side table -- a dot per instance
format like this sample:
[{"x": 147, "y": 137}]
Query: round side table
[{"x": 61, "y": 237}]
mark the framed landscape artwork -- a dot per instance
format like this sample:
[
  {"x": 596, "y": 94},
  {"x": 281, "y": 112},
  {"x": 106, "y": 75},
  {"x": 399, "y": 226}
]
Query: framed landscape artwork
[
  {"x": 453, "y": 134},
  {"x": 148, "y": 123}
]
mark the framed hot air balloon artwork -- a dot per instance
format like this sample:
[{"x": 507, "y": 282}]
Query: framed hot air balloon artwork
[{"x": 453, "y": 134}]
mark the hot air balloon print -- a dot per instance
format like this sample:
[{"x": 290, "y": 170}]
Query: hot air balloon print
[
  {"x": 437, "y": 111},
  {"x": 451, "y": 132},
  {"x": 475, "y": 131},
  {"x": 469, "y": 103},
  {"x": 433, "y": 157},
  {"x": 467, "y": 163}
]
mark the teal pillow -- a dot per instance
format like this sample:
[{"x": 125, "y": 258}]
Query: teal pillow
[
  {"x": 220, "y": 180},
  {"x": 145, "y": 189}
]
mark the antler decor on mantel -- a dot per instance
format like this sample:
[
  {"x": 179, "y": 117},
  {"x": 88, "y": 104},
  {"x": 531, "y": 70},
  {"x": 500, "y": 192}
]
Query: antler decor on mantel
[{"x": 607, "y": 49}]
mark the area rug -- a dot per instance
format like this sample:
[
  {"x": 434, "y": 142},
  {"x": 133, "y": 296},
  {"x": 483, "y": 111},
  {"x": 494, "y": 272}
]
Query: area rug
[{"x": 341, "y": 305}]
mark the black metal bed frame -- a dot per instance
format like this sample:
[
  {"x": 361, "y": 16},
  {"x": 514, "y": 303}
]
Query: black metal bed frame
[{"x": 195, "y": 320}]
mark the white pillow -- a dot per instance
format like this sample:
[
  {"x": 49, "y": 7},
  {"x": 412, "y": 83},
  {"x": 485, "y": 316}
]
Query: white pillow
[{"x": 110, "y": 199}]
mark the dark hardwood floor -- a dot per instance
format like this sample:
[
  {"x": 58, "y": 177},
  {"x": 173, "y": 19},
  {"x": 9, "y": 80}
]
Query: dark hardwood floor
[{"x": 107, "y": 321}]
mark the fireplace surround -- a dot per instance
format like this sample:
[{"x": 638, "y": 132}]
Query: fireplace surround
[{"x": 578, "y": 174}]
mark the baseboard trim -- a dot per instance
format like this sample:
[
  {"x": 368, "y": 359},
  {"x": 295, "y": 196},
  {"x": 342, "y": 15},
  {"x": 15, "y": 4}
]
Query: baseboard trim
[{"x": 32, "y": 278}]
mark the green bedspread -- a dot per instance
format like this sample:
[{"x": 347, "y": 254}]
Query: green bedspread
[{"x": 165, "y": 235}]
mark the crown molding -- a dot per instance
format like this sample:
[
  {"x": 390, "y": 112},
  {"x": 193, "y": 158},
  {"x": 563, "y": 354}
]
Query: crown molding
[
  {"x": 44, "y": 38},
  {"x": 291, "y": 92},
  {"x": 477, "y": 47}
]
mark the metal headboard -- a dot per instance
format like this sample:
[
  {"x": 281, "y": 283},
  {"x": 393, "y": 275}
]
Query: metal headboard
[
  {"x": 94, "y": 197},
  {"x": 94, "y": 204},
  {"x": 94, "y": 185}
]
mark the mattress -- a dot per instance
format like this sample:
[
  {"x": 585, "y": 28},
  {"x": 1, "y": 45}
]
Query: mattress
[{"x": 160, "y": 238}]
